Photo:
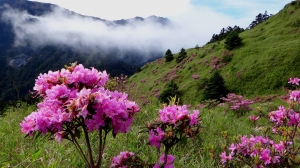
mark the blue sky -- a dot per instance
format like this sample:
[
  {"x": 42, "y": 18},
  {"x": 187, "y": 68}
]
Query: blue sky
[
  {"x": 124, "y": 9},
  {"x": 242, "y": 8}
]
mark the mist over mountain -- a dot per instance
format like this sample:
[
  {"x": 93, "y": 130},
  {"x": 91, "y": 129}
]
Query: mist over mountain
[
  {"x": 37, "y": 37},
  {"x": 62, "y": 27}
]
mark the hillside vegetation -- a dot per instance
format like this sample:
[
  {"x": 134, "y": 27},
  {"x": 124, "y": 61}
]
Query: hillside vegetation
[
  {"x": 268, "y": 57},
  {"x": 259, "y": 69}
]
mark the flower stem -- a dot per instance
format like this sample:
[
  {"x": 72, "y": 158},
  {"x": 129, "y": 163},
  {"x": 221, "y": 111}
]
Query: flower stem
[
  {"x": 78, "y": 148},
  {"x": 101, "y": 146},
  {"x": 89, "y": 150}
]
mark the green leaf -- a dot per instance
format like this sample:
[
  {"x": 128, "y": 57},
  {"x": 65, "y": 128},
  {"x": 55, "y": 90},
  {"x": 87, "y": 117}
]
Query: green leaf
[{"x": 36, "y": 155}]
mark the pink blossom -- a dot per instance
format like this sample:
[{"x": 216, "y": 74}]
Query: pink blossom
[
  {"x": 169, "y": 164},
  {"x": 255, "y": 147},
  {"x": 294, "y": 81},
  {"x": 156, "y": 136},
  {"x": 265, "y": 156},
  {"x": 279, "y": 147},
  {"x": 78, "y": 93},
  {"x": 237, "y": 102},
  {"x": 253, "y": 118},
  {"x": 194, "y": 76},
  {"x": 194, "y": 118},
  {"x": 295, "y": 95},
  {"x": 225, "y": 158},
  {"x": 174, "y": 122},
  {"x": 120, "y": 160}
]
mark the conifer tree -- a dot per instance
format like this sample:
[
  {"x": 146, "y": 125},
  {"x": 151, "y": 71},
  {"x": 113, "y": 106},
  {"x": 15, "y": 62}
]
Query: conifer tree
[
  {"x": 169, "y": 56},
  {"x": 215, "y": 88},
  {"x": 181, "y": 56},
  {"x": 233, "y": 40}
]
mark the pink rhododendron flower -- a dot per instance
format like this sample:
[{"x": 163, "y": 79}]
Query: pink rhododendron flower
[
  {"x": 237, "y": 102},
  {"x": 224, "y": 157},
  {"x": 78, "y": 94},
  {"x": 194, "y": 76},
  {"x": 173, "y": 113},
  {"x": 194, "y": 118},
  {"x": 119, "y": 161},
  {"x": 294, "y": 81},
  {"x": 174, "y": 123},
  {"x": 253, "y": 118},
  {"x": 255, "y": 147},
  {"x": 168, "y": 164},
  {"x": 295, "y": 95},
  {"x": 156, "y": 137},
  {"x": 265, "y": 156}
]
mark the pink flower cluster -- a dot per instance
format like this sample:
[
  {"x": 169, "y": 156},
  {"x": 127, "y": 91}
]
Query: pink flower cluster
[
  {"x": 120, "y": 160},
  {"x": 284, "y": 117},
  {"x": 176, "y": 117},
  {"x": 294, "y": 81},
  {"x": 215, "y": 63},
  {"x": 76, "y": 96},
  {"x": 260, "y": 151},
  {"x": 77, "y": 76},
  {"x": 173, "y": 114},
  {"x": 194, "y": 76},
  {"x": 156, "y": 136},
  {"x": 237, "y": 102},
  {"x": 171, "y": 75},
  {"x": 144, "y": 80},
  {"x": 263, "y": 150},
  {"x": 227, "y": 53},
  {"x": 295, "y": 96},
  {"x": 168, "y": 164},
  {"x": 254, "y": 118}
]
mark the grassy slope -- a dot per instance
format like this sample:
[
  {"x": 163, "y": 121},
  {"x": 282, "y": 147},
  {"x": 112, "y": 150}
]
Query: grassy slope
[
  {"x": 269, "y": 56},
  {"x": 255, "y": 57},
  {"x": 18, "y": 151}
]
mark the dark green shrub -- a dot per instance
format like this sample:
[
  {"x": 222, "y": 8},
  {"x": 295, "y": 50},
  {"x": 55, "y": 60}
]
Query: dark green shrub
[
  {"x": 202, "y": 55},
  {"x": 170, "y": 90},
  {"x": 181, "y": 56},
  {"x": 139, "y": 69},
  {"x": 296, "y": 23},
  {"x": 232, "y": 40},
  {"x": 226, "y": 56},
  {"x": 215, "y": 88},
  {"x": 202, "y": 84}
]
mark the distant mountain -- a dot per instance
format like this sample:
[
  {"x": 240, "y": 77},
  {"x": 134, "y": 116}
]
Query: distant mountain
[
  {"x": 163, "y": 21},
  {"x": 20, "y": 65}
]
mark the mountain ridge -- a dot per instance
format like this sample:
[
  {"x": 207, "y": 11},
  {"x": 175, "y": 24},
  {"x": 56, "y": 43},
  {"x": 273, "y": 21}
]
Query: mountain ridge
[{"x": 22, "y": 64}]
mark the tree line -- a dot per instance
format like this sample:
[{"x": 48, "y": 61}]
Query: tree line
[{"x": 260, "y": 18}]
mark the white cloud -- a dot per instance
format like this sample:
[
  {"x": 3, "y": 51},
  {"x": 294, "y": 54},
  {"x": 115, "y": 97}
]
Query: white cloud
[
  {"x": 83, "y": 33},
  {"x": 193, "y": 24}
]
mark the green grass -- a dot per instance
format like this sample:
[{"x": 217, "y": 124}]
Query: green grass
[
  {"x": 18, "y": 151},
  {"x": 270, "y": 54}
]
